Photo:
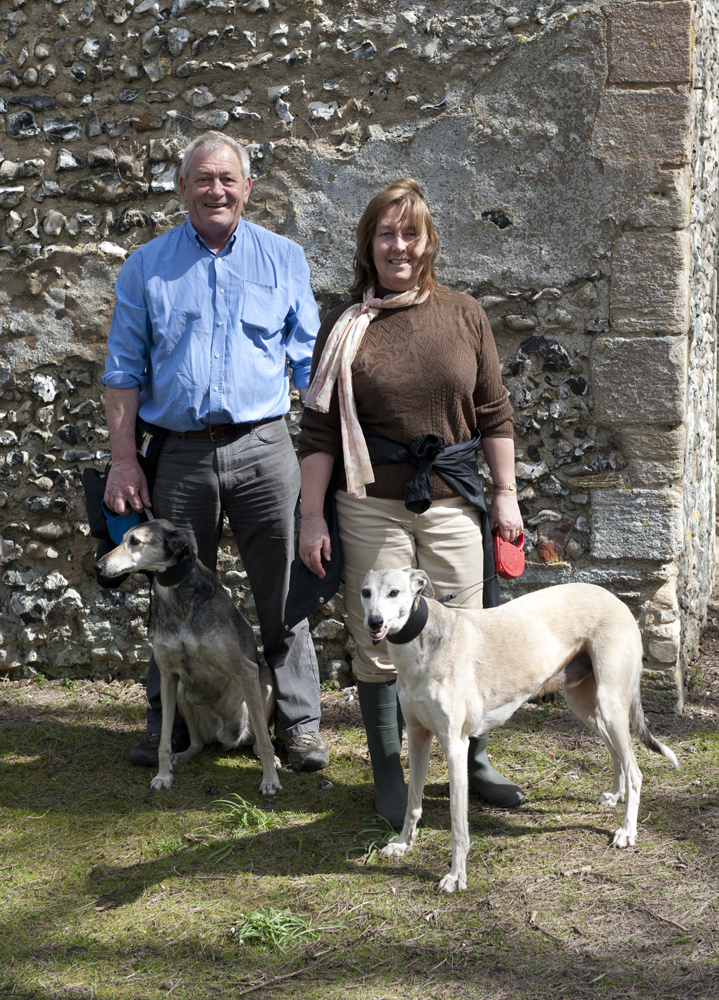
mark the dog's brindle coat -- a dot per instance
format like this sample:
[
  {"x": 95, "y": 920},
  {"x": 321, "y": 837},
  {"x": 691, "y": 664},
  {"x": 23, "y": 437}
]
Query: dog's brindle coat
[
  {"x": 204, "y": 648},
  {"x": 467, "y": 671}
]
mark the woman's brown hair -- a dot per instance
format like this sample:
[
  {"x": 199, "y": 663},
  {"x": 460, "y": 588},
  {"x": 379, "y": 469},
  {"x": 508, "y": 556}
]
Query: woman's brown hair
[{"x": 407, "y": 193}]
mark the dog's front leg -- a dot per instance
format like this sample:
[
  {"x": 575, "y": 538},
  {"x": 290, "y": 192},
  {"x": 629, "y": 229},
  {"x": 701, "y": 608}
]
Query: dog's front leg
[
  {"x": 419, "y": 741},
  {"x": 456, "y": 753},
  {"x": 168, "y": 696},
  {"x": 263, "y": 747}
]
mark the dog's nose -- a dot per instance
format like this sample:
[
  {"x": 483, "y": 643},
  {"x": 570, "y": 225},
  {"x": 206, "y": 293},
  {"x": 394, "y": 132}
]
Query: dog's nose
[
  {"x": 375, "y": 623},
  {"x": 99, "y": 566}
]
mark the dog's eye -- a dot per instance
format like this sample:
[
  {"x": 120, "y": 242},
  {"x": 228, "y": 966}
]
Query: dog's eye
[
  {"x": 133, "y": 541},
  {"x": 394, "y": 593},
  {"x": 366, "y": 593}
]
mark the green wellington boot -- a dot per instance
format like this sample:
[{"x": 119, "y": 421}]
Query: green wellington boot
[
  {"x": 382, "y": 721},
  {"x": 487, "y": 781}
]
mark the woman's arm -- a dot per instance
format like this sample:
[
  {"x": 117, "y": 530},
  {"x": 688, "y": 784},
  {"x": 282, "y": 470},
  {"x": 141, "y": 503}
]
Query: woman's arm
[
  {"x": 316, "y": 471},
  {"x": 504, "y": 511}
]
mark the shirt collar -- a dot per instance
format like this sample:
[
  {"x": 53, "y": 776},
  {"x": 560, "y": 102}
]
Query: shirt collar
[{"x": 197, "y": 240}]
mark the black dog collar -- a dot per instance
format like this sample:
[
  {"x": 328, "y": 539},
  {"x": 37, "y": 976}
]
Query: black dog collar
[
  {"x": 174, "y": 575},
  {"x": 413, "y": 626}
]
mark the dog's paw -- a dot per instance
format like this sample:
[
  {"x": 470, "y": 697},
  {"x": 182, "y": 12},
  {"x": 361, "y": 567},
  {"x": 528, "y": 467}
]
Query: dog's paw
[
  {"x": 623, "y": 839},
  {"x": 268, "y": 786},
  {"x": 161, "y": 781},
  {"x": 610, "y": 799},
  {"x": 395, "y": 850},
  {"x": 452, "y": 883}
]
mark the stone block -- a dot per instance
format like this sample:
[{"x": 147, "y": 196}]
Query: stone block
[
  {"x": 637, "y": 524},
  {"x": 649, "y": 288},
  {"x": 643, "y": 125},
  {"x": 640, "y": 380},
  {"x": 664, "y": 650},
  {"x": 651, "y": 43},
  {"x": 653, "y": 442},
  {"x": 640, "y": 194}
]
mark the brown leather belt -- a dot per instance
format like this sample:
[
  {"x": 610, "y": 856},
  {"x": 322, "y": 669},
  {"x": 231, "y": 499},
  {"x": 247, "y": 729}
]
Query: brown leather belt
[{"x": 221, "y": 432}]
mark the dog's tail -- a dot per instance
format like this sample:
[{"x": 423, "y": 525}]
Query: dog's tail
[{"x": 639, "y": 724}]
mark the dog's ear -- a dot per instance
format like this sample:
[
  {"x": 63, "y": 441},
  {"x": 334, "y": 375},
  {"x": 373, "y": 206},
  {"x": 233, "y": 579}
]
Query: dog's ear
[
  {"x": 420, "y": 583},
  {"x": 179, "y": 544}
]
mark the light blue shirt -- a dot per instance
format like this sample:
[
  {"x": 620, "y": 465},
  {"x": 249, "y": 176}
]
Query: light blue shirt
[{"x": 207, "y": 336}]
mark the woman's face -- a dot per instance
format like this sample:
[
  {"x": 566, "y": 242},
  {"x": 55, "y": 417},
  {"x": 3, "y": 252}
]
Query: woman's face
[{"x": 396, "y": 260}]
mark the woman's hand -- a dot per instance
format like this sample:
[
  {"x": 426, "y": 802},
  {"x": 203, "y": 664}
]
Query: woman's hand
[
  {"x": 504, "y": 514},
  {"x": 314, "y": 544}
]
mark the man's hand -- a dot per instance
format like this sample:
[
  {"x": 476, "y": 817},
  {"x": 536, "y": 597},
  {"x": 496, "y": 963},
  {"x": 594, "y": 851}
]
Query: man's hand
[
  {"x": 126, "y": 487},
  {"x": 314, "y": 544}
]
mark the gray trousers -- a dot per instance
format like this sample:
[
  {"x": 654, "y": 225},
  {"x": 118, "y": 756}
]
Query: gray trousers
[{"x": 255, "y": 480}]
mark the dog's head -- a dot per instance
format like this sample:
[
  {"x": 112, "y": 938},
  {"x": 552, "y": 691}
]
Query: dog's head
[
  {"x": 153, "y": 546},
  {"x": 389, "y": 597}
]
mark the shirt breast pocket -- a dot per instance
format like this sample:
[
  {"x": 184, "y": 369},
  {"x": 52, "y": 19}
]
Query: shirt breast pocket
[{"x": 263, "y": 311}]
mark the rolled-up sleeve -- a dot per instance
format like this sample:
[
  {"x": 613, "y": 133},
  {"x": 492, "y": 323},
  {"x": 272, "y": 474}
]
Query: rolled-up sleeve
[
  {"x": 130, "y": 332},
  {"x": 302, "y": 322}
]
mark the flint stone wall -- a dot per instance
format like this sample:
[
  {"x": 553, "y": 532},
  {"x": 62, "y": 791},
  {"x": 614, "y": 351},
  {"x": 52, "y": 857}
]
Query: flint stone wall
[{"x": 569, "y": 152}]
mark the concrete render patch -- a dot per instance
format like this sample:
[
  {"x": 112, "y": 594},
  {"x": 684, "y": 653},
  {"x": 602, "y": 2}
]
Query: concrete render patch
[
  {"x": 639, "y": 380},
  {"x": 637, "y": 524}
]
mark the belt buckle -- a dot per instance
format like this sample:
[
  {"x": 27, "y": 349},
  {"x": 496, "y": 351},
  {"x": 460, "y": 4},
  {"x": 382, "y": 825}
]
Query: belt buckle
[{"x": 211, "y": 430}]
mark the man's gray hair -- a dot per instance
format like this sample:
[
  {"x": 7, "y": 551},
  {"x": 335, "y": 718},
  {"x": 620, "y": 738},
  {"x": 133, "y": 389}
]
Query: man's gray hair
[{"x": 210, "y": 141}]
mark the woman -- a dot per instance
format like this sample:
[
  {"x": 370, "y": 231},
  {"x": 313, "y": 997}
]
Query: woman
[{"x": 414, "y": 361}]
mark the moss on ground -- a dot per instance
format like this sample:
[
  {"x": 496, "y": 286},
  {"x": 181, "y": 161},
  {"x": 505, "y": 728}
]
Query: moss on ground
[{"x": 110, "y": 891}]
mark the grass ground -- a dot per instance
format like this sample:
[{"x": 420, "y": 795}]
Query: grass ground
[{"x": 110, "y": 891}]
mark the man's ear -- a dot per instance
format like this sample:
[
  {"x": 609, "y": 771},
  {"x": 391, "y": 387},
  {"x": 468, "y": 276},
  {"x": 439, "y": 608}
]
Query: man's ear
[{"x": 420, "y": 583}]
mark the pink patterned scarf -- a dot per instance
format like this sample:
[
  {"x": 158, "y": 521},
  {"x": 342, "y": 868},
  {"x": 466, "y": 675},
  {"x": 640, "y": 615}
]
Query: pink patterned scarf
[{"x": 336, "y": 366}]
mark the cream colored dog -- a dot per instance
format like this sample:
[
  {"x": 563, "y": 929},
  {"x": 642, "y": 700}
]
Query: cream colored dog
[{"x": 461, "y": 673}]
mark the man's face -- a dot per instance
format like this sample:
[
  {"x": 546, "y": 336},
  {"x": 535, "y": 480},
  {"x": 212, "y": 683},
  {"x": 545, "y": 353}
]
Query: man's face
[{"x": 215, "y": 191}]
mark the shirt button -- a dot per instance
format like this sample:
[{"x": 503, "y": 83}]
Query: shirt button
[
  {"x": 219, "y": 322},
  {"x": 216, "y": 389},
  {"x": 222, "y": 290},
  {"x": 217, "y": 355}
]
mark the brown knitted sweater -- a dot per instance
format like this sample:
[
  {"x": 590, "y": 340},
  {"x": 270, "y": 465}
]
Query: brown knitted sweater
[{"x": 428, "y": 368}]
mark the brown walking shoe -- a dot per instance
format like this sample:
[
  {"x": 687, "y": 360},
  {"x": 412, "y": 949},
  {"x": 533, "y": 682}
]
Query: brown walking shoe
[{"x": 307, "y": 752}]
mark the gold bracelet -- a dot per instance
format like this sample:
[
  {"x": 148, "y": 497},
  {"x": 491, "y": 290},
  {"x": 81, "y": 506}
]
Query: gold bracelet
[{"x": 505, "y": 486}]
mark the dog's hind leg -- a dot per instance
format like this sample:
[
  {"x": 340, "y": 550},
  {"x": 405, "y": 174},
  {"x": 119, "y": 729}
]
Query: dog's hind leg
[
  {"x": 168, "y": 696},
  {"x": 582, "y": 699},
  {"x": 190, "y": 714},
  {"x": 456, "y": 752},
  {"x": 614, "y": 727},
  {"x": 419, "y": 741}
]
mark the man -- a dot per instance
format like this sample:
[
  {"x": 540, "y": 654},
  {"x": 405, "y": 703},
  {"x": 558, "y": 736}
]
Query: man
[{"x": 206, "y": 317}]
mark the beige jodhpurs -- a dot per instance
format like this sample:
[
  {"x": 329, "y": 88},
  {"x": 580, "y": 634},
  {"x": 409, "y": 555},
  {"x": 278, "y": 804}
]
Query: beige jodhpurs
[{"x": 445, "y": 541}]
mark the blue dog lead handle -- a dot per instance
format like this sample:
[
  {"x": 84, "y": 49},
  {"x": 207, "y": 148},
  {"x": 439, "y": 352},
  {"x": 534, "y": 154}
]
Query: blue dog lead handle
[{"x": 119, "y": 524}]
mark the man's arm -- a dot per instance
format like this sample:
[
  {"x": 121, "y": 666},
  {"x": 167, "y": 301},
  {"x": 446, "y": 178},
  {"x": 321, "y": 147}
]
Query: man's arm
[
  {"x": 126, "y": 484},
  {"x": 302, "y": 324}
]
